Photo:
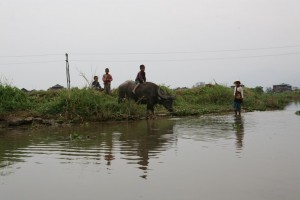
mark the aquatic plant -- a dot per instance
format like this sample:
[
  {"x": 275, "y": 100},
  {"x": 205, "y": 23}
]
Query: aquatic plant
[{"x": 75, "y": 136}]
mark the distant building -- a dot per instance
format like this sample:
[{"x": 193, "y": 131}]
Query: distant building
[
  {"x": 56, "y": 87},
  {"x": 24, "y": 90},
  {"x": 199, "y": 84},
  {"x": 282, "y": 87}
]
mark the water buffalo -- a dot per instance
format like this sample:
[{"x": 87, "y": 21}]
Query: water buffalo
[{"x": 147, "y": 93}]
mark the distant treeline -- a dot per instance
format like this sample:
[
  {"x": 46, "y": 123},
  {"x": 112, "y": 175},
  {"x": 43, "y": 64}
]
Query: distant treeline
[{"x": 90, "y": 105}]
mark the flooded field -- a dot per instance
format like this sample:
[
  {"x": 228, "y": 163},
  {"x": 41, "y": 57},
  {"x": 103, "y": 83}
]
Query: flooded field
[{"x": 255, "y": 156}]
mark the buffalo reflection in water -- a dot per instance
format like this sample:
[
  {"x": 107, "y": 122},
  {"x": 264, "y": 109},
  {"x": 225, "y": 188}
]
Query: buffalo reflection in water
[{"x": 136, "y": 142}]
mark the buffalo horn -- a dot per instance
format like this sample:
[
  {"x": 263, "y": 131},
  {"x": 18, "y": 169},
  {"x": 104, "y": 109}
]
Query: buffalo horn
[{"x": 162, "y": 94}]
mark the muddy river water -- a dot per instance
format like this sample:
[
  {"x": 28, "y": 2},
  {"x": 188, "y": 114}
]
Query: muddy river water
[{"x": 252, "y": 157}]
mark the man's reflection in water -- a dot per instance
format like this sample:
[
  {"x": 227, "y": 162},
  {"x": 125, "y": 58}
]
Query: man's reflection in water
[
  {"x": 239, "y": 132},
  {"x": 109, "y": 156}
]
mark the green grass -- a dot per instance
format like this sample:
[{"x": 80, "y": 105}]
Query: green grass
[
  {"x": 90, "y": 105},
  {"x": 83, "y": 104},
  {"x": 13, "y": 99}
]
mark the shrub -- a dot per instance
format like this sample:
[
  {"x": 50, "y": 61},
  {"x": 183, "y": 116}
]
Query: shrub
[{"x": 13, "y": 99}]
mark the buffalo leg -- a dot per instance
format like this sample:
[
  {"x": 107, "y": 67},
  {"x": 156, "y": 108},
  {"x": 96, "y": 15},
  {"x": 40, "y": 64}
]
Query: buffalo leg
[{"x": 150, "y": 108}]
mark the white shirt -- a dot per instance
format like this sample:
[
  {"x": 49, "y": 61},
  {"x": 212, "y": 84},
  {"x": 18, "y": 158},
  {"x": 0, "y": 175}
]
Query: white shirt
[{"x": 239, "y": 89}]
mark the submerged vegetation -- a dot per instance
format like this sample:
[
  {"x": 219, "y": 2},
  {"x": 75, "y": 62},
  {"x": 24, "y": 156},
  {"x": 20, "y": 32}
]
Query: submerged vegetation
[{"x": 90, "y": 105}]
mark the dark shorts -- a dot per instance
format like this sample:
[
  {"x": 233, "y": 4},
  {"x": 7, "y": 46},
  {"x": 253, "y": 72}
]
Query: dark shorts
[{"x": 237, "y": 105}]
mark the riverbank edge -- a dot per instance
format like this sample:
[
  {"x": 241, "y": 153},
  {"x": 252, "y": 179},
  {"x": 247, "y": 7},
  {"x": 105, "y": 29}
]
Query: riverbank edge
[
  {"x": 79, "y": 106},
  {"x": 35, "y": 122},
  {"x": 40, "y": 122}
]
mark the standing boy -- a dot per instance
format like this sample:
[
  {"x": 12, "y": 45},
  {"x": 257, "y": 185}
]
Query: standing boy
[{"x": 107, "y": 78}]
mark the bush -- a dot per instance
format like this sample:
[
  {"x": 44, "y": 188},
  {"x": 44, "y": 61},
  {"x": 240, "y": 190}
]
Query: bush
[
  {"x": 207, "y": 95},
  {"x": 86, "y": 103},
  {"x": 13, "y": 99}
]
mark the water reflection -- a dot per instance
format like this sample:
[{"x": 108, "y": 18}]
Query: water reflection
[
  {"x": 213, "y": 128},
  {"x": 197, "y": 156},
  {"x": 142, "y": 141},
  {"x": 205, "y": 128},
  {"x": 239, "y": 132},
  {"x": 135, "y": 142}
]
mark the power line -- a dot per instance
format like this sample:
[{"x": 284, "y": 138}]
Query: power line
[
  {"x": 166, "y": 52},
  {"x": 161, "y": 60},
  {"x": 33, "y": 55},
  {"x": 253, "y": 49},
  {"x": 189, "y": 52},
  {"x": 195, "y": 59},
  {"x": 24, "y": 63}
]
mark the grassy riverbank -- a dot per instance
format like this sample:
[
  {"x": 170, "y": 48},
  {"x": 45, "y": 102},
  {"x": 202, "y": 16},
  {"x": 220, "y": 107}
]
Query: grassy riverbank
[{"x": 89, "y": 105}]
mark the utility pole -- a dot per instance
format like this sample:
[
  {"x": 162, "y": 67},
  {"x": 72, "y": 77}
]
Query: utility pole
[{"x": 67, "y": 71}]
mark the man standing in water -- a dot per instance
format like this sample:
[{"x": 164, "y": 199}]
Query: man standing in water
[{"x": 238, "y": 97}]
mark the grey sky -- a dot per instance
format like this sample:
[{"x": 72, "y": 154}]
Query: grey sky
[{"x": 180, "y": 42}]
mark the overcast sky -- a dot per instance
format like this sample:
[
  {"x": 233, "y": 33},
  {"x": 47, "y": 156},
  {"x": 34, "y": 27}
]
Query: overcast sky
[{"x": 181, "y": 42}]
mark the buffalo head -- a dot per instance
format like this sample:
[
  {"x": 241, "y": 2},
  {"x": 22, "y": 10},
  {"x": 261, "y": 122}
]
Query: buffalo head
[{"x": 165, "y": 100}]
